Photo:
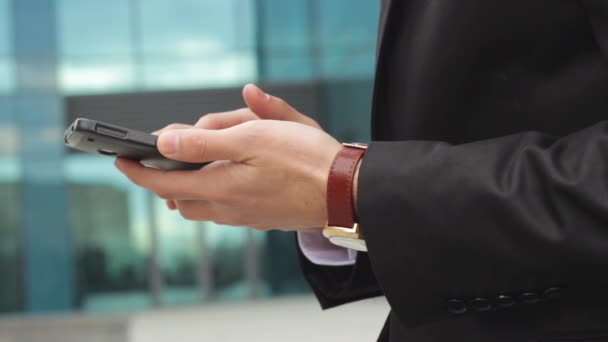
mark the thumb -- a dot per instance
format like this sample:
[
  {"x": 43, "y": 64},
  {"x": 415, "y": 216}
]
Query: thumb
[
  {"x": 196, "y": 145},
  {"x": 271, "y": 107}
]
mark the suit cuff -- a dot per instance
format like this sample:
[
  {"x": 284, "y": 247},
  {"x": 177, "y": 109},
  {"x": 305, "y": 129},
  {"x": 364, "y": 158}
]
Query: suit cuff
[{"x": 318, "y": 250}]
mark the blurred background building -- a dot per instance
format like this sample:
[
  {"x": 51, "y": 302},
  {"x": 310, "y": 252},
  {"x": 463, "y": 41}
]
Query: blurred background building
[{"x": 75, "y": 236}]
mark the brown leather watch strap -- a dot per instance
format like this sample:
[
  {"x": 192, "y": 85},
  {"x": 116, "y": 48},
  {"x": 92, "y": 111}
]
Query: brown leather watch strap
[{"x": 340, "y": 204}]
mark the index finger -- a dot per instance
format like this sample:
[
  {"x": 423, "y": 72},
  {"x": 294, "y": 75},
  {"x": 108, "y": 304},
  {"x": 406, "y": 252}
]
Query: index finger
[
  {"x": 171, "y": 127},
  {"x": 197, "y": 145}
]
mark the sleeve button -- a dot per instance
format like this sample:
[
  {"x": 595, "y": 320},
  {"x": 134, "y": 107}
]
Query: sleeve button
[
  {"x": 505, "y": 301},
  {"x": 456, "y": 307},
  {"x": 480, "y": 305},
  {"x": 529, "y": 298}
]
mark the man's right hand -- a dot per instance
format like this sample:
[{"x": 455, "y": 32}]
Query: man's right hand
[{"x": 260, "y": 106}]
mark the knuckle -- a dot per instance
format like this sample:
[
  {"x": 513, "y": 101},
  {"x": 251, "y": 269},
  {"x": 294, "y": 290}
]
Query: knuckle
[
  {"x": 197, "y": 147},
  {"x": 253, "y": 131}
]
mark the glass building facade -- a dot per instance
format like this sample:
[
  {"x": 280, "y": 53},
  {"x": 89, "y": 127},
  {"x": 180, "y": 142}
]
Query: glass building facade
[{"x": 74, "y": 233}]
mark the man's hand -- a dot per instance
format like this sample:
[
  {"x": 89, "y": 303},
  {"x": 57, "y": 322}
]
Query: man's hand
[
  {"x": 265, "y": 106},
  {"x": 266, "y": 174}
]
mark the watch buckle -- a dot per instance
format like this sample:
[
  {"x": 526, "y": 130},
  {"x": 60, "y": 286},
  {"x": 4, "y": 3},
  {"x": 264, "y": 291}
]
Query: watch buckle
[{"x": 352, "y": 232}]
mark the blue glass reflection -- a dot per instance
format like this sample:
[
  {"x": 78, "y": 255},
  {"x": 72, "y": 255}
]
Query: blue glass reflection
[
  {"x": 135, "y": 45},
  {"x": 191, "y": 43},
  {"x": 96, "y": 47},
  {"x": 6, "y": 65},
  {"x": 347, "y": 42},
  {"x": 117, "y": 45},
  {"x": 6, "y": 75}
]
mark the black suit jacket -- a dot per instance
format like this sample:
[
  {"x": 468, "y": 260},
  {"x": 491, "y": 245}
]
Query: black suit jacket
[{"x": 484, "y": 195}]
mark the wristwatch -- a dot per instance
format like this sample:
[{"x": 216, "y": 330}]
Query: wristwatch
[{"x": 342, "y": 228}]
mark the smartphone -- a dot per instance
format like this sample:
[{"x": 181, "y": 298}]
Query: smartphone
[{"x": 111, "y": 140}]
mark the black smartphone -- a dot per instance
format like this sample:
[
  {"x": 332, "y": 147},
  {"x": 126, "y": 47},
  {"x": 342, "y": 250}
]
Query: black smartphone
[{"x": 111, "y": 140}]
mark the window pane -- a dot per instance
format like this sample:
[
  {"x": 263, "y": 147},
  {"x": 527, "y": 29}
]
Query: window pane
[
  {"x": 161, "y": 72},
  {"x": 178, "y": 252},
  {"x": 96, "y": 74},
  {"x": 348, "y": 42},
  {"x": 228, "y": 249},
  {"x": 12, "y": 287},
  {"x": 9, "y": 137},
  {"x": 348, "y": 62},
  {"x": 285, "y": 29},
  {"x": 94, "y": 27},
  {"x": 188, "y": 43},
  {"x": 193, "y": 254},
  {"x": 6, "y": 75},
  {"x": 109, "y": 221},
  {"x": 95, "y": 45},
  {"x": 286, "y": 24},
  {"x": 348, "y": 23},
  {"x": 291, "y": 64},
  {"x": 6, "y": 66},
  {"x": 11, "y": 213},
  {"x": 5, "y": 29}
]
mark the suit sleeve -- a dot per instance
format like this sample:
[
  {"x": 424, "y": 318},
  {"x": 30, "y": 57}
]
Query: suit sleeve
[
  {"x": 504, "y": 216},
  {"x": 336, "y": 285}
]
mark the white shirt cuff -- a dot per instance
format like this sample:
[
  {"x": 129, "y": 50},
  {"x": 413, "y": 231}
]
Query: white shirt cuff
[{"x": 320, "y": 251}]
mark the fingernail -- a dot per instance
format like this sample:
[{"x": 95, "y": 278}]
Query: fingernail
[{"x": 168, "y": 142}]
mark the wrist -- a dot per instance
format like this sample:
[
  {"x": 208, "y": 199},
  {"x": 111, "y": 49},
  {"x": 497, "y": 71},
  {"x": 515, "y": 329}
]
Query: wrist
[
  {"x": 342, "y": 185},
  {"x": 342, "y": 226}
]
